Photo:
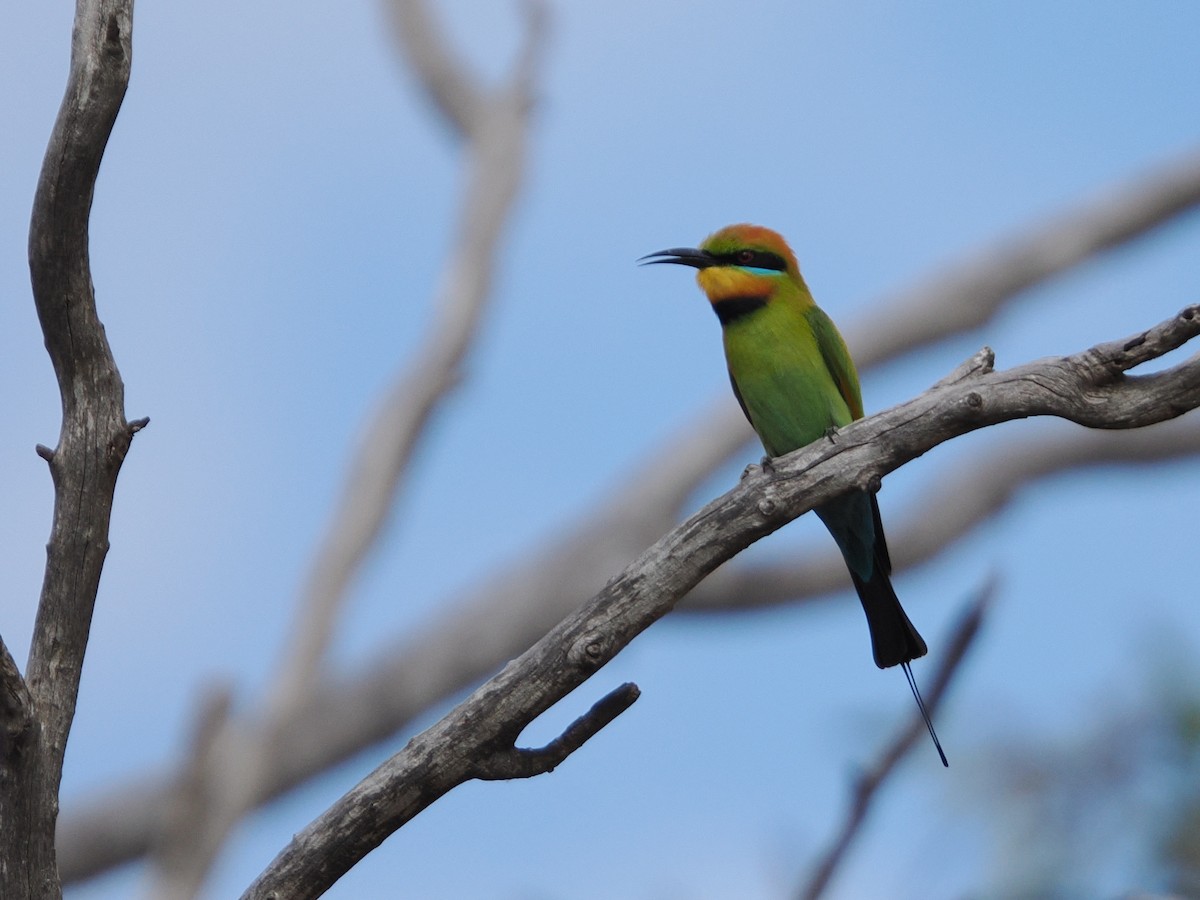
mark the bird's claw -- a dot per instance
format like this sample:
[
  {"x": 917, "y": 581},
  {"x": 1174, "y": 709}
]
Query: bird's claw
[{"x": 764, "y": 465}]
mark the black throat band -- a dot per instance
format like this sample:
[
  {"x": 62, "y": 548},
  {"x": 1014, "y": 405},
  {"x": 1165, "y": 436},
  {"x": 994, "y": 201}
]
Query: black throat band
[{"x": 732, "y": 308}]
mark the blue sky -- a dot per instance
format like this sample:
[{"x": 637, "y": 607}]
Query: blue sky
[{"x": 271, "y": 217}]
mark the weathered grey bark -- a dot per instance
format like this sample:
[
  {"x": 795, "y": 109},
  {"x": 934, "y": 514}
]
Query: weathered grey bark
[
  {"x": 22, "y": 765},
  {"x": 1090, "y": 388},
  {"x": 947, "y": 511},
  {"x": 92, "y": 445}
]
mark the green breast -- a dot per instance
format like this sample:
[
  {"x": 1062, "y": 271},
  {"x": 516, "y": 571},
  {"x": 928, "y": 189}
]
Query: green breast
[{"x": 780, "y": 375}]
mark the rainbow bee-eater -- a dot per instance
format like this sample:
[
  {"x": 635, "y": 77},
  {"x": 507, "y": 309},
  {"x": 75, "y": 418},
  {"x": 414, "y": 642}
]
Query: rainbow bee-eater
[{"x": 796, "y": 383}]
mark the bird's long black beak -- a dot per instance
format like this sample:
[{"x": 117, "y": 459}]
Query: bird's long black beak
[{"x": 683, "y": 256}]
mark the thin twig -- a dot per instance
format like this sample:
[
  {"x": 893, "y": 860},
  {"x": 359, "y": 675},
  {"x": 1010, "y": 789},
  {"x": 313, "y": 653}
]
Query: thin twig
[
  {"x": 869, "y": 782},
  {"x": 518, "y": 762}
]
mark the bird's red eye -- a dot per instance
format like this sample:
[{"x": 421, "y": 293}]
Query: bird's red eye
[{"x": 745, "y": 256}]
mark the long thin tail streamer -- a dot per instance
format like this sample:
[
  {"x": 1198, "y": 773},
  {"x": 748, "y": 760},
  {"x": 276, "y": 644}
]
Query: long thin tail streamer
[{"x": 912, "y": 683}]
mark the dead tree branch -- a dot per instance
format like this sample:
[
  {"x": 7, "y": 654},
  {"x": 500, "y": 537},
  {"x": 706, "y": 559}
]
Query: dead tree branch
[
  {"x": 93, "y": 442},
  {"x": 949, "y": 509},
  {"x": 517, "y": 762},
  {"x": 1091, "y": 388}
]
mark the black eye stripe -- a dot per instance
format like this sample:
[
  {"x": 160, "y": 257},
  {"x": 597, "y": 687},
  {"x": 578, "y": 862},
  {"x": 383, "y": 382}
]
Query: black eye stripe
[{"x": 756, "y": 259}]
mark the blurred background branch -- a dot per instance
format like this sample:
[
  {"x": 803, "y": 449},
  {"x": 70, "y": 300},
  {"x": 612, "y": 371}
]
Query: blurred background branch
[
  {"x": 869, "y": 782},
  {"x": 1070, "y": 813},
  {"x": 232, "y": 762}
]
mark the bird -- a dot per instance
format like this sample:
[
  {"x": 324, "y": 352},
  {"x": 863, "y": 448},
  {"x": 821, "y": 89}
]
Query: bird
[{"x": 796, "y": 383}]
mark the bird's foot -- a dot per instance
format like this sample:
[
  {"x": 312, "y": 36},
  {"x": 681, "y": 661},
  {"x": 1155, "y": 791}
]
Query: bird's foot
[
  {"x": 831, "y": 434},
  {"x": 764, "y": 465}
]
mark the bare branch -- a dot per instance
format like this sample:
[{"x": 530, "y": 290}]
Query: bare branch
[
  {"x": 95, "y": 435},
  {"x": 969, "y": 293},
  {"x": 516, "y": 762},
  {"x": 868, "y": 783},
  {"x": 230, "y": 768},
  {"x": 446, "y": 79},
  {"x": 445, "y": 755},
  {"x": 949, "y": 509},
  {"x": 192, "y": 828},
  {"x": 416, "y": 671},
  {"x": 92, "y": 444},
  {"x": 115, "y": 827},
  {"x": 496, "y": 127},
  {"x": 23, "y": 764}
]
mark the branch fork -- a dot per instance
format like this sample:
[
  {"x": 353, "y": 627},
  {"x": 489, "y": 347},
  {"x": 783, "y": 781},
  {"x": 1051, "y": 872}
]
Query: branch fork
[{"x": 518, "y": 762}]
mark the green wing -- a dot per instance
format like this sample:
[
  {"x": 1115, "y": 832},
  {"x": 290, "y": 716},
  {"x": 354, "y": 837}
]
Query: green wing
[{"x": 837, "y": 359}]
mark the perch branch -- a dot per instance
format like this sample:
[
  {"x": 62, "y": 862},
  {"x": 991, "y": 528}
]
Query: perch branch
[
  {"x": 1076, "y": 388},
  {"x": 949, "y": 508},
  {"x": 397, "y": 686}
]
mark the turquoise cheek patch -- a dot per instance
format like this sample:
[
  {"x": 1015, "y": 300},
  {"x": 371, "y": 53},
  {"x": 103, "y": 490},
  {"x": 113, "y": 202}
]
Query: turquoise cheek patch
[{"x": 755, "y": 270}]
